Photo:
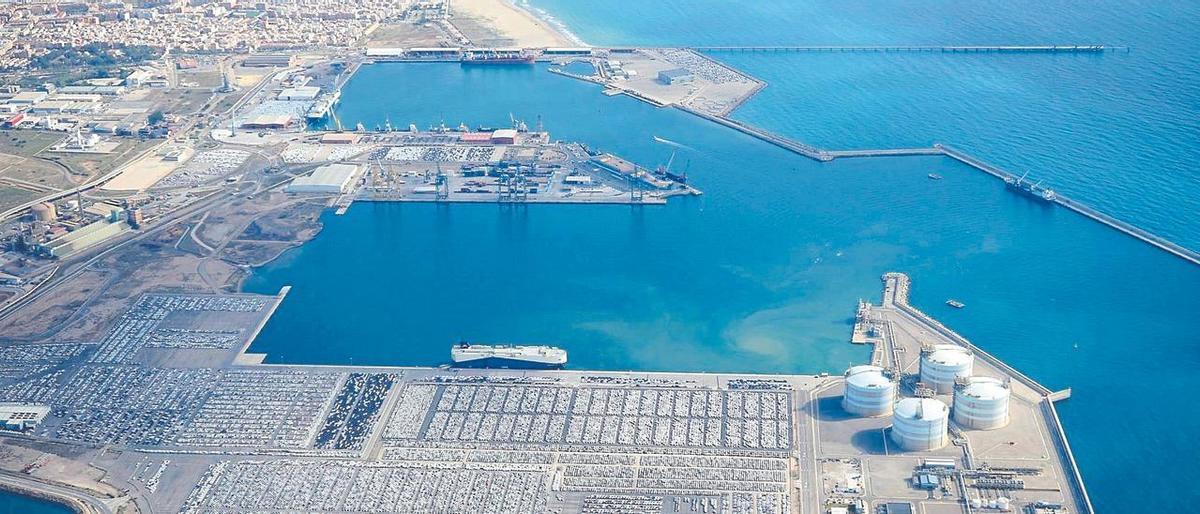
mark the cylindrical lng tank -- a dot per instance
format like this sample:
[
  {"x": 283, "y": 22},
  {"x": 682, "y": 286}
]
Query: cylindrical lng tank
[
  {"x": 943, "y": 364},
  {"x": 920, "y": 424},
  {"x": 868, "y": 392},
  {"x": 982, "y": 403}
]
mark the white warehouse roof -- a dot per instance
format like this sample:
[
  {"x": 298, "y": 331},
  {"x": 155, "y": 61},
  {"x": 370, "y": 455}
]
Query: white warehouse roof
[
  {"x": 300, "y": 93},
  {"x": 385, "y": 52},
  {"x": 333, "y": 178}
]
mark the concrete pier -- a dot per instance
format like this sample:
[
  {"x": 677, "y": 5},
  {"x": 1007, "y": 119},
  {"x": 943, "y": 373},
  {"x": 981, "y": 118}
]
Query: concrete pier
[
  {"x": 819, "y": 154},
  {"x": 922, "y": 49},
  {"x": 1081, "y": 208}
]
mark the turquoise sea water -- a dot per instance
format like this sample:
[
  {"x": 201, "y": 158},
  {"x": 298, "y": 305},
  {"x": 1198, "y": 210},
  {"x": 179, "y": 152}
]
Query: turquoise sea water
[
  {"x": 16, "y": 504},
  {"x": 1120, "y": 130},
  {"x": 759, "y": 274}
]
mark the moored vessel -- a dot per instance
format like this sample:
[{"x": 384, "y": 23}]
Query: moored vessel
[
  {"x": 498, "y": 56},
  {"x": 507, "y": 356}
]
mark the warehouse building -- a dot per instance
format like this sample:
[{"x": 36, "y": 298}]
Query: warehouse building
[
  {"x": 675, "y": 76},
  {"x": 504, "y": 137},
  {"x": 83, "y": 238},
  {"x": 340, "y": 138},
  {"x": 268, "y": 61},
  {"x": 267, "y": 121},
  {"x": 330, "y": 179},
  {"x": 21, "y": 417},
  {"x": 300, "y": 93}
]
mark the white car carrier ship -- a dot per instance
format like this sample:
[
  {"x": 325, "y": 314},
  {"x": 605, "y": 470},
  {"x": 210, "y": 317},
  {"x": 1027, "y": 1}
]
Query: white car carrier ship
[{"x": 506, "y": 356}]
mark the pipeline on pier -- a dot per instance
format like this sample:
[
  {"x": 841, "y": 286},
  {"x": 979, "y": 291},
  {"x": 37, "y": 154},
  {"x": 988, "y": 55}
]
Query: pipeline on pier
[{"x": 921, "y": 49}]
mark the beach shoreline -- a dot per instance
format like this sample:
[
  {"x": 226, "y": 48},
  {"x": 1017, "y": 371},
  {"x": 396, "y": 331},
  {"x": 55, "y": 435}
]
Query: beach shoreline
[{"x": 507, "y": 20}]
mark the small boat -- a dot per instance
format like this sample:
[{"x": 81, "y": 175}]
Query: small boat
[
  {"x": 934, "y": 176},
  {"x": 955, "y": 303}
]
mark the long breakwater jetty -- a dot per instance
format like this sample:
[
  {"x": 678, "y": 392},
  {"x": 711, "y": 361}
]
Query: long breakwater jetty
[
  {"x": 1081, "y": 208},
  {"x": 823, "y": 155},
  {"x": 1054, "y": 49}
]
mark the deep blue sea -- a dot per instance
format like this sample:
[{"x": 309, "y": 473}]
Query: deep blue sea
[
  {"x": 761, "y": 273},
  {"x": 16, "y": 504}
]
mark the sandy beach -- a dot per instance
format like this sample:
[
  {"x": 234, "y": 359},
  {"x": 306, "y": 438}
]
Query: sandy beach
[{"x": 505, "y": 21}]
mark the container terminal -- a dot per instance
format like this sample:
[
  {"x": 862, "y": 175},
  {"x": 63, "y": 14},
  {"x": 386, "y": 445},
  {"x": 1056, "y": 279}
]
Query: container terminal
[{"x": 168, "y": 412}]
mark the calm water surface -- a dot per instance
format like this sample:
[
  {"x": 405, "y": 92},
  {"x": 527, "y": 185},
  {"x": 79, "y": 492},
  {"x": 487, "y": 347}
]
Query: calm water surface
[
  {"x": 759, "y": 274},
  {"x": 16, "y": 504}
]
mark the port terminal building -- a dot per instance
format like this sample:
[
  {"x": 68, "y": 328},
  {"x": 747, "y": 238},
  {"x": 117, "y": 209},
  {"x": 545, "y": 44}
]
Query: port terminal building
[
  {"x": 329, "y": 179},
  {"x": 20, "y": 416}
]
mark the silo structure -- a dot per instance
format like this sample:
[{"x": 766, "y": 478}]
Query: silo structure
[
  {"x": 944, "y": 363},
  {"x": 920, "y": 424},
  {"x": 869, "y": 392},
  {"x": 44, "y": 212},
  {"x": 981, "y": 403}
]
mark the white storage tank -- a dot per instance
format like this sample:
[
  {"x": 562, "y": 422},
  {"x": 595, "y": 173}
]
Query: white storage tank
[
  {"x": 982, "y": 403},
  {"x": 920, "y": 424},
  {"x": 868, "y": 391},
  {"x": 944, "y": 363}
]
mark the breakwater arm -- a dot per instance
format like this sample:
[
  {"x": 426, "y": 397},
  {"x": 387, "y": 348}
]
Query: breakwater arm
[{"x": 921, "y": 48}]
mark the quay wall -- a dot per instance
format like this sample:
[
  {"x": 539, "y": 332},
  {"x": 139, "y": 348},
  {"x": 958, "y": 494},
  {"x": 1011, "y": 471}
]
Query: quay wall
[
  {"x": 1061, "y": 445},
  {"x": 1053, "y": 422},
  {"x": 74, "y": 504},
  {"x": 903, "y": 283}
]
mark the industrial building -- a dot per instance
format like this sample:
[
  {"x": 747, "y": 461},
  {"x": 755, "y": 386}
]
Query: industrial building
[
  {"x": 340, "y": 138},
  {"x": 300, "y": 93},
  {"x": 21, "y": 417},
  {"x": 676, "y": 76},
  {"x": 943, "y": 364},
  {"x": 84, "y": 237},
  {"x": 868, "y": 392},
  {"x": 504, "y": 137},
  {"x": 329, "y": 179},
  {"x": 920, "y": 424},
  {"x": 28, "y": 97},
  {"x": 981, "y": 403},
  {"x": 269, "y": 122},
  {"x": 385, "y": 52},
  {"x": 268, "y": 61}
]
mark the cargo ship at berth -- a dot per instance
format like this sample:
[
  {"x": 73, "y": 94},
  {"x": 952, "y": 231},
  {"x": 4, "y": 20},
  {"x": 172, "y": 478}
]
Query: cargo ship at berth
[
  {"x": 498, "y": 56},
  {"x": 506, "y": 356},
  {"x": 320, "y": 109},
  {"x": 1030, "y": 189}
]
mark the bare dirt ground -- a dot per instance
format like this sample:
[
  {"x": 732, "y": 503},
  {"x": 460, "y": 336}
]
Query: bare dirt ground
[
  {"x": 237, "y": 236},
  {"x": 406, "y": 35},
  {"x": 59, "y": 463},
  {"x": 51, "y": 310}
]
